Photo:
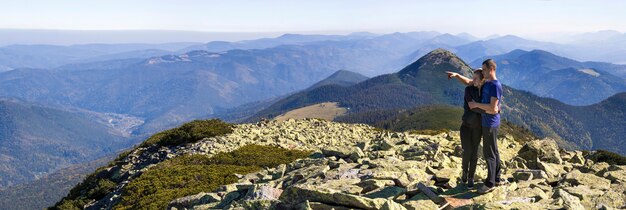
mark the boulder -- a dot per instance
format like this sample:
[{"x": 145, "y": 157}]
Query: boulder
[
  {"x": 576, "y": 177},
  {"x": 534, "y": 192},
  {"x": 298, "y": 194},
  {"x": 350, "y": 153},
  {"x": 532, "y": 183},
  {"x": 596, "y": 168},
  {"x": 543, "y": 150},
  {"x": 195, "y": 200},
  {"x": 529, "y": 174},
  {"x": 612, "y": 199},
  {"x": 391, "y": 205},
  {"x": 577, "y": 158},
  {"x": 262, "y": 192},
  {"x": 569, "y": 201},
  {"x": 419, "y": 202},
  {"x": 390, "y": 192},
  {"x": 551, "y": 169},
  {"x": 341, "y": 185},
  {"x": 584, "y": 192},
  {"x": 522, "y": 175},
  {"x": 616, "y": 176},
  {"x": 447, "y": 176},
  {"x": 374, "y": 184}
]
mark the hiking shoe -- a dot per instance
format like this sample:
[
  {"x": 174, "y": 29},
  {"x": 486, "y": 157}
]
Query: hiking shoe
[
  {"x": 470, "y": 185},
  {"x": 502, "y": 182},
  {"x": 484, "y": 189}
]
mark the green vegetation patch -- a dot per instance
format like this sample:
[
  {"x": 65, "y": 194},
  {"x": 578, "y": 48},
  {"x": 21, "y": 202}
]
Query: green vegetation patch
[
  {"x": 608, "y": 157},
  {"x": 192, "y": 174},
  {"x": 189, "y": 133},
  {"x": 93, "y": 187}
]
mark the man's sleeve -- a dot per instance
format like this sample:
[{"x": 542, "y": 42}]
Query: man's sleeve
[{"x": 498, "y": 91}]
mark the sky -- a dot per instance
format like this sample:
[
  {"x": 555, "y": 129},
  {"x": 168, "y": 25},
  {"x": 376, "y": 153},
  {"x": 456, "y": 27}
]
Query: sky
[{"x": 478, "y": 17}]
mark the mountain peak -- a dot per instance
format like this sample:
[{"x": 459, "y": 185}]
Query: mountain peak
[
  {"x": 440, "y": 52},
  {"x": 342, "y": 78},
  {"x": 435, "y": 58}
]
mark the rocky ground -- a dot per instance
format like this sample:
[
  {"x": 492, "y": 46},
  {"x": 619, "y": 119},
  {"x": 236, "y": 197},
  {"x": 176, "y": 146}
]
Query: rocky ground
[{"x": 358, "y": 167}]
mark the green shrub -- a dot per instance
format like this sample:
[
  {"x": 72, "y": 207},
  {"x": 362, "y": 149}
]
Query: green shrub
[
  {"x": 189, "y": 132},
  {"x": 608, "y": 157},
  {"x": 68, "y": 205},
  {"x": 191, "y": 174},
  {"x": 102, "y": 188},
  {"x": 155, "y": 188},
  {"x": 92, "y": 187}
]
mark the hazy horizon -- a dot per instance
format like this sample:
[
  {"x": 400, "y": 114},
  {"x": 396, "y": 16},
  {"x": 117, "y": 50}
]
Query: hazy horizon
[
  {"x": 203, "y": 21},
  {"x": 156, "y": 36}
]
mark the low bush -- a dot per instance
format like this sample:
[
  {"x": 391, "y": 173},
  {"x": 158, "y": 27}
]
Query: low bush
[{"x": 608, "y": 157}]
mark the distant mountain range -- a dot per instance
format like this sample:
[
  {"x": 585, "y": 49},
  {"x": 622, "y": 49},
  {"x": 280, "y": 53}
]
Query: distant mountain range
[
  {"x": 172, "y": 89},
  {"x": 51, "y": 56},
  {"x": 564, "y": 79},
  {"x": 423, "y": 83}
]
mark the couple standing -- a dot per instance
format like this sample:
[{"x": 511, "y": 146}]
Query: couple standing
[{"x": 481, "y": 118}]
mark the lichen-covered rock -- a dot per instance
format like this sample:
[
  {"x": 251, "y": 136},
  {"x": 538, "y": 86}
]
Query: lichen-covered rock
[
  {"x": 534, "y": 192},
  {"x": 299, "y": 194},
  {"x": 576, "y": 177},
  {"x": 391, "y": 205},
  {"x": 195, "y": 200},
  {"x": 262, "y": 192},
  {"x": 390, "y": 192},
  {"x": 523, "y": 175},
  {"x": 616, "y": 176},
  {"x": 544, "y": 150},
  {"x": 569, "y": 201}
]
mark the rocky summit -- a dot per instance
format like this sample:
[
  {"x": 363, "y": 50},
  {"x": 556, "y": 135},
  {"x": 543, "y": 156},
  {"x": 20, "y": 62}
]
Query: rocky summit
[{"x": 355, "y": 166}]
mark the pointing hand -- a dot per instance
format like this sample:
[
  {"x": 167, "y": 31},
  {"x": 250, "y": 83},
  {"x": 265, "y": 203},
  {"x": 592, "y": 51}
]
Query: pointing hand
[{"x": 451, "y": 74}]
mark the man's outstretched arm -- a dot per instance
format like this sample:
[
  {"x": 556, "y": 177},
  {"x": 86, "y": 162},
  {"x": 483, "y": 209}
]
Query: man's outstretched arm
[
  {"x": 464, "y": 80},
  {"x": 491, "y": 107}
]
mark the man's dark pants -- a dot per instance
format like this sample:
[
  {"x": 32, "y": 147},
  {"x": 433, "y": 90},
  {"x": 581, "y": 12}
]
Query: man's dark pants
[{"x": 491, "y": 155}]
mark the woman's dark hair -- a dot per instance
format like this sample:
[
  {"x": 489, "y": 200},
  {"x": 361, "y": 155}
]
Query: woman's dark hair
[{"x": 479, "y": 73}]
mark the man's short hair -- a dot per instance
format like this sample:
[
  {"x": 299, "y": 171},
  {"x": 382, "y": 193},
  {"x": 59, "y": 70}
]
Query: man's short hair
[{"x": 490, "y": 63}]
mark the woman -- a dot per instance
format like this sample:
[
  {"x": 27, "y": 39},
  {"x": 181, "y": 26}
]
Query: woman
[{"x": 471, "y": 129}]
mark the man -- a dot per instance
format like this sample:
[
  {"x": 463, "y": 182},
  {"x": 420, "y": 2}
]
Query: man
[{"x": 491, "y": 95}]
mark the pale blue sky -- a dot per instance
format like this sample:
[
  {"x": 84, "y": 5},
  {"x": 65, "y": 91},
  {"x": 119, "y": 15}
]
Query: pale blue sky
[{"x": 482, "y": 18}]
